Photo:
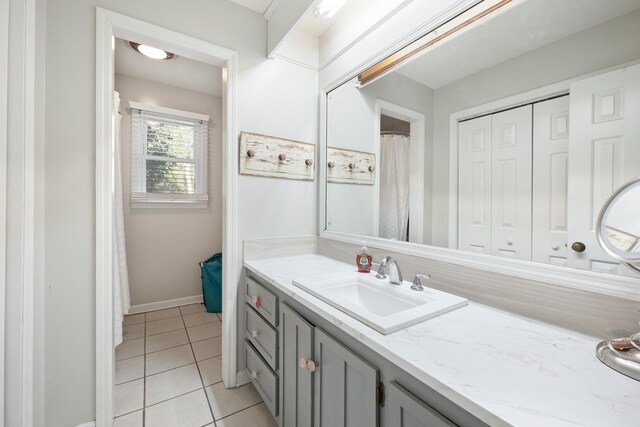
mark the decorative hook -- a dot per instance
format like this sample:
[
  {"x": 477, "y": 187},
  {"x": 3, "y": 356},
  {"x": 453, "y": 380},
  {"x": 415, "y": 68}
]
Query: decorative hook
[
  {"x": 308, "y": 162},
  {"x": 251, "y": 153}
]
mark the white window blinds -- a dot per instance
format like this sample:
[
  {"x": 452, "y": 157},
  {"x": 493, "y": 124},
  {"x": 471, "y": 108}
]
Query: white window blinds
[{"x": 168, "y": 159}]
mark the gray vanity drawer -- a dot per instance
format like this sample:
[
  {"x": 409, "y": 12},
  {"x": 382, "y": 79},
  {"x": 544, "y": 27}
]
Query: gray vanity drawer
[
  {"x": 262, "y": 300},
  {"x": 262, "y": 377},
  {"x": 262, "y": 335}
]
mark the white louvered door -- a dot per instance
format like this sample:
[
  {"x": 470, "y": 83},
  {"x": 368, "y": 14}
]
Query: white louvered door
[
  {"x": 550, "y": 180},
  {"x": 474, "y": 185},
  {"x": 511, "y": 183},
  {"x": 604, "y": 150}
]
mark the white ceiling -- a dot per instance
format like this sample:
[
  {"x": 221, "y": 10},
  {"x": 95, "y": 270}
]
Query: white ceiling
[
  {"x": 519, "y": 29},
  {"x": 259, "y": 6},
  {"x": 180, "y": 72}
]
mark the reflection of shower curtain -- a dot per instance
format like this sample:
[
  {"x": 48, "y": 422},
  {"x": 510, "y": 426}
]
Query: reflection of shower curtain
[
  {"x": 121, "y": 300},
  {"x": 394, "y": 186}
]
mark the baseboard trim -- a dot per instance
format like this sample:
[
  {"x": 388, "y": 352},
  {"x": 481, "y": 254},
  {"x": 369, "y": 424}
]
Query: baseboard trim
[
  {"x": 89, "y": 424},
  {"x": 160, "y": 305},
  {"x": 242, "y": 378}
]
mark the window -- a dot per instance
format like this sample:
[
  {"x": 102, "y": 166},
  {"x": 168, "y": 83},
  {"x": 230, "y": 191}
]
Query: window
[{"x": 168, "y": 157}]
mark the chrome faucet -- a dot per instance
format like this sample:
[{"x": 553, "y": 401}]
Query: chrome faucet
[
  {"x": 417, "y": 285},
  {"x": 395, "y": 276}
]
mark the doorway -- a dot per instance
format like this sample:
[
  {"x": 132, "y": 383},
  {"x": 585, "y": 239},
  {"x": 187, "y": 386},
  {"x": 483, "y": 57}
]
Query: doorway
[
  {"x": 111, "y": 25},
  {"x": 392, "y": 119}
]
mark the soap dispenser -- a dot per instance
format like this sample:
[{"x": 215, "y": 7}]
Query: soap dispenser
[{"x": 363, "y": 260}]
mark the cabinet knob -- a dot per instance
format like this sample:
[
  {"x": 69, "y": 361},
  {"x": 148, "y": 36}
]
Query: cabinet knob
[
  {"x": 254, "y": 374},
  {"x": 282, "y": 157},
  {"x": 555, "y": 246},
  {"x": 509, "y": 242},
  {"x": 331, "y": 165},
  {"x": 352, "y": 166},
  {"x": 256, "y": 302},
  {"x": 255, "y": 333},
  {"x": 308, "y": 364},
  {"x": 308, "y": 162},
  {"x": 578, "y": 246},
  {"x": 251, "y": 153}
]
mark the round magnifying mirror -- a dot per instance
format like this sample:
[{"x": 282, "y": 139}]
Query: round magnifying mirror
[{"x": 618, "y": 226}]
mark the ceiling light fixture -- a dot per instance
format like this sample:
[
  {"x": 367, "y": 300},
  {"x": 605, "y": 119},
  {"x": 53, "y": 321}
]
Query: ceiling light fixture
[
  {"x": 327, "y": 8},
  {"x": 151, "y": 52}
]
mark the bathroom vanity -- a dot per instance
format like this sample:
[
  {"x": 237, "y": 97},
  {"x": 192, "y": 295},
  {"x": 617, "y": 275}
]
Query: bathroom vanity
[{"x": 315, "y": 365}]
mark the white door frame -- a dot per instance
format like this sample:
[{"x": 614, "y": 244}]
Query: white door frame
[
  {"x": 4, "y": 111},
  {"x": 109, "y": 25},
  {"x": 416, "y": 166}
]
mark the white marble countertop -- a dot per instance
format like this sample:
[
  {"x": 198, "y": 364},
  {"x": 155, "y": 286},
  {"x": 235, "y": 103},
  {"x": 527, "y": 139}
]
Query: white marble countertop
[{"x": 502, "y": 368}]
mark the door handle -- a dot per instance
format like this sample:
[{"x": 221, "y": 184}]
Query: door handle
[{"x": 578, "y": 247}]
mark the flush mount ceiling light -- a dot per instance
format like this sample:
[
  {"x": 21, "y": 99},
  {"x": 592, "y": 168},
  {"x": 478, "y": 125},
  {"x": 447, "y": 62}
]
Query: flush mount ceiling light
[
  {"x": 151, "y": 52},
  {"x": 327, "y": 8}
]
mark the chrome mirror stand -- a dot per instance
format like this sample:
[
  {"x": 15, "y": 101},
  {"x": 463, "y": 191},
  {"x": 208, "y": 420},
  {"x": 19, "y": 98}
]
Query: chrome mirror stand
[{"x": 622, "y": 355}]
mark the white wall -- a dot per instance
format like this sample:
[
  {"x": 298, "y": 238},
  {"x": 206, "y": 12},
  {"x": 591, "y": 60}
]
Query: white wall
[
  {"x": 605, "y": 45},
  {"x": 274, "y": 97},
  {"x": 351, "y": 119},
  {"x": 165, "y": 245}
]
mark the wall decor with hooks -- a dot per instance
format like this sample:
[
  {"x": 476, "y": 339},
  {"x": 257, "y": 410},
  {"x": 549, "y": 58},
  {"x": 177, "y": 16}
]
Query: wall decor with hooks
[
  {"x": 270, "y": 156},
  {"x": 350, "y": 166}
]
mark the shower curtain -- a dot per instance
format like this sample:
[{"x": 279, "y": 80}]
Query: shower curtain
[
  {"x": 394, "y": 186},
  {"x": 121, "y": 302}
]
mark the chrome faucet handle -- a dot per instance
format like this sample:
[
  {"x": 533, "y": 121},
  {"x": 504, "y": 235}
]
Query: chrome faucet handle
[
  {"x": 417, "y": 285},
  {"x": 381, "y": 265}
]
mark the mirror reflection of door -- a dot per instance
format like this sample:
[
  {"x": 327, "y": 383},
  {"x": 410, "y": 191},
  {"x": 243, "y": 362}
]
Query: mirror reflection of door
[{"x": 394, "y": 178}]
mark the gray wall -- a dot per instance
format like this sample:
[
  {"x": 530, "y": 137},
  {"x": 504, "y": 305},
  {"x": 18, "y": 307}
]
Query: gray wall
[
  {"x": 605, "y": 45},
  {"x": 274, "y": 97},
  {"x": 164, "y": 245}
]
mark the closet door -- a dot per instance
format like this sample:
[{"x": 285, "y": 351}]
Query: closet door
[
  {"x": 511, "y": 183},
  {"x": 604, "y": 152},
  {"x": 474, "y": 185},
  {"x": 550, "y": 178}
]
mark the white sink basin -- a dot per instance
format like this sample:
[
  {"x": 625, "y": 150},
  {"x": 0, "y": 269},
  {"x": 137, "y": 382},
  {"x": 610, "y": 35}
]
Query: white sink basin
[{"x": 377, "y": 303}]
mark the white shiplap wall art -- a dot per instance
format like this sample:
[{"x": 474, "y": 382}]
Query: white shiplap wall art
[
  {"x": 270, "y": 156},
  {"x": 350, "y": 166}
]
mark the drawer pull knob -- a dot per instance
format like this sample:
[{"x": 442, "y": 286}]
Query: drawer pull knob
[
  {"x": 255, "y": 333},
  {"x": 254, "y": 374},
  {"x": 308, "y": 162},
  {"x": 256, "y": 302},
  {"x": 251, "y": 153},
  {"x": 308, "y": 364},
  {"x": 282, "y": 157}
]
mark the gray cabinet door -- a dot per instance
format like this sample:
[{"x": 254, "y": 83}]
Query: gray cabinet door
[
  {"x": 403, "y": 409},
  {"x": 345, "y": 386},
  {"x": 296, "y": 391}
]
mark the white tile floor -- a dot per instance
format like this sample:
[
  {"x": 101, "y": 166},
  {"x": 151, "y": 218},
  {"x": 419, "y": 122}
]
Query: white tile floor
[{"x": 168, "y": 373}]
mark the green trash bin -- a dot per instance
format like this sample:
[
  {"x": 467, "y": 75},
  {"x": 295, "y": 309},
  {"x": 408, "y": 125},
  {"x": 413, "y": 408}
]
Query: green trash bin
[{"x": 211, "y": 273}]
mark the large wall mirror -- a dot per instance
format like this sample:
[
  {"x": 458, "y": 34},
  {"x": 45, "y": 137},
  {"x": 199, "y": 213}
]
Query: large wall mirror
[{"x": 502, "y": 139}]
